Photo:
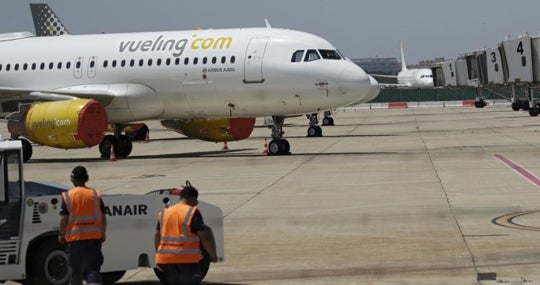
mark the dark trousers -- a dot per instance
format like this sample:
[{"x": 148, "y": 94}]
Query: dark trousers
[
  {"x": 85, "y": 258},
  {"x": 183, "y": 273}
]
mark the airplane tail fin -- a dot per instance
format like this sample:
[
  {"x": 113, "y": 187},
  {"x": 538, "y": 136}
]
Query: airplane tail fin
[
  {"x": 403, "y": 64},
  {"x": 46, "y": 23}
]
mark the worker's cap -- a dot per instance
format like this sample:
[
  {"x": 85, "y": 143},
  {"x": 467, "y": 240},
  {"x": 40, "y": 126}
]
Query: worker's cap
[{"x": 79, "y": 173}]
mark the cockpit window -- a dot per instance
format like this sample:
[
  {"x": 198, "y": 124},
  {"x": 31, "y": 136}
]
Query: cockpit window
[
  {"x": 311, "y": 55},
  {"x": 329, "y": 54},
  {"x": 297, "y": 56}
]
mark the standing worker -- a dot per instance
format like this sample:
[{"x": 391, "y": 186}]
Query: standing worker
[
  {"x": 82, "y": 226},
  {"x": 180, "y": 232}
]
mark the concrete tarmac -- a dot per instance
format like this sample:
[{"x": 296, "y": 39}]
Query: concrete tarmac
[{"x": 408, "y": 196}]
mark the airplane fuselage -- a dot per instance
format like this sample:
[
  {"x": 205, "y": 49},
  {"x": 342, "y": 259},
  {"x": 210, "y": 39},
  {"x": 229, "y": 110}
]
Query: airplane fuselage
[
  {"x": 421, "y": 77},
  {"x": 185, "y": 74}
]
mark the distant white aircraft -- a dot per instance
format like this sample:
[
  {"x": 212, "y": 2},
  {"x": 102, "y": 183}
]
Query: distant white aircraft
[
  {"x": 417, "y": 77},
  {"x": 187, "y": 79}
]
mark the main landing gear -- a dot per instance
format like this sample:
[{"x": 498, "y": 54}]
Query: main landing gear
[
  {"x": 328, "y": 120},
  {"x": 313, "y": 130},
  {"x": 121, "y": 144},
  {"x": 278, "y": 145}
]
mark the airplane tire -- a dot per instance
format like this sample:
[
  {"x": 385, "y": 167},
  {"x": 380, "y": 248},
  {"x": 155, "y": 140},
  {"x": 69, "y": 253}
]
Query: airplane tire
[
  {"x": 48, "y": 265},
  {"x": 105, "y": 146},
  {"x": 125, "y": 146},
  {"x": 312, "y": 131},
  {"x": 275, "y": 147}
]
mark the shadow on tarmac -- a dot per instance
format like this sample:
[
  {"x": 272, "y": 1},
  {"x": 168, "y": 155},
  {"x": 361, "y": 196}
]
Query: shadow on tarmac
[{"x": 159, "y": 283}]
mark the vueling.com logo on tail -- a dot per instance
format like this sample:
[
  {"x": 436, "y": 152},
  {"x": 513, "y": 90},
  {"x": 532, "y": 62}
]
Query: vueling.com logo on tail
[{"x": 177, "y": 47}]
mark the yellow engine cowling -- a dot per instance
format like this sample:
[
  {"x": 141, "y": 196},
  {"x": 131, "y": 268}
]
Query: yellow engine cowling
[
  {"x": 66, "y": 124},
  {"x": 213, "y": 129}
]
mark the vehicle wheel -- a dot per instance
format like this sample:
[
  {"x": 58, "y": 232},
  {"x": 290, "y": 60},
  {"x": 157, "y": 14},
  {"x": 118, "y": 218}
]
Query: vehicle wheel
[
  {"x": 275, "y": 147},
  {"x": 109, "y": 278},
  {"x": 525, "y": 105},
  {"x": 533, "y": 112},
  {"x": 516, "y": 106},
  {"x": 27, "y": 149},
  {"x": 48, "y": 265}
]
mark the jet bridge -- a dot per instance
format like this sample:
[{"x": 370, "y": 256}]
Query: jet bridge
[{"x": 450, "y": 73}]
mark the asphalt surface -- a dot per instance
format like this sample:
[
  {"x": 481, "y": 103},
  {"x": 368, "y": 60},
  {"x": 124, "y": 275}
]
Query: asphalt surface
[{"x": 408, "y": 196}]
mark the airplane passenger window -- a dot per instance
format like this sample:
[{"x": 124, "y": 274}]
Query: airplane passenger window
[
  {"x": 158, "y": 62},
  {"x": 132, "y": 62},
  {"x": 297, "y": 56},
  {"x": 0, "y": 67},
  {"x": 92, "y": 64},
  {"x": 186, "y": 61},
  {"x": 51, "y": 65},
  {"x": 42, "y": 65},
  {"x": 141, "y": 62},
  {"x": 177, "y": 61},
  {"x": 123, "y": 63},
  {"x": 214, "y": 60},
  {"x": 78, "y": 65},
  {"x": 311, "y": 55},
  {"x": 59, "y": 66},
  {"x": 68, "y": 65},
  {"x": 105, "y": 64},
  {"x": 168, "y": 61},
  {"x": 16, "y": 67},
  {"x": 25, "y": 66},
  {"x": 150, "y": 62},
  {"x": 329, "y": 54},
  {"x": 195, "y": 60},
  {"x": 113, "y": 63},
  {"x": 204, "y": 60},
  {"x": 34, "y": 66},
  {"x": 8, "y": 67},
  {"x": 233, "y": 59},
  {"x": 223, "y": 59}
]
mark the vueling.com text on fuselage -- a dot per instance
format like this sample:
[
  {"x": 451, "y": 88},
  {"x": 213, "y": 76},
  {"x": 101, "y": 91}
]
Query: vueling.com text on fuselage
[{"x": 176, "y": 46}]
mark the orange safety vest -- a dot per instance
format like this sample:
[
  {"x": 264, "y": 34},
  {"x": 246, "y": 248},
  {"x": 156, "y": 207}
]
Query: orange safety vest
[
  {"x": 85, "y": 215},
  {"x": 177, "y": 243}
]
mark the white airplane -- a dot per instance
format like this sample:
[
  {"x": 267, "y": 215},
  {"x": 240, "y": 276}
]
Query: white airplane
[
  {"x": 187, "y": 79},
  {"x": 417, "y": 77}
]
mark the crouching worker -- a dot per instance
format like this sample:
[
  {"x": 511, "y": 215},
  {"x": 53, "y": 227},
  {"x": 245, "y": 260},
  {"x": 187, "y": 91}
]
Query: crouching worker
[{"x": 180, "y": 233}]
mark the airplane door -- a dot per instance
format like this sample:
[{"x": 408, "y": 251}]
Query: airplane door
[
  {"x": 92, "y": 66},
  {"x": 253, "y": 63},
  {"x": 77, "y": 68}
]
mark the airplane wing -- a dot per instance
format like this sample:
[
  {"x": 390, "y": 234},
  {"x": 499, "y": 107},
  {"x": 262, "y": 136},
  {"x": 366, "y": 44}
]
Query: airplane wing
[
  {"x": 101, "y": 93},
  {"x": 388, "y": 81}
]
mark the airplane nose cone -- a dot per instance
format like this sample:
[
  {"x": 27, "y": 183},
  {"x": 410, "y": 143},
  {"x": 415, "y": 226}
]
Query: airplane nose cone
[
  {"x": 374, "y": 89},
  {"x": 354, "y": 82}
]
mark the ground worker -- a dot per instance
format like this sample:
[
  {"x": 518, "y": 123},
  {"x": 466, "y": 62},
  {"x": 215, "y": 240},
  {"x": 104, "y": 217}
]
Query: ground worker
[
  {"x": 179, "y": 235},
  {"x": 82, "y": 226}
]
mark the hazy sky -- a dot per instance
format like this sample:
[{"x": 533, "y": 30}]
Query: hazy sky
[{"x": 359, "y": 28}]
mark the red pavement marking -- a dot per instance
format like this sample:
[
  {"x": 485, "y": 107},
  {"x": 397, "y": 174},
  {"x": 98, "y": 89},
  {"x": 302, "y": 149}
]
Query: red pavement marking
[{"x": 520, "y": 170}]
